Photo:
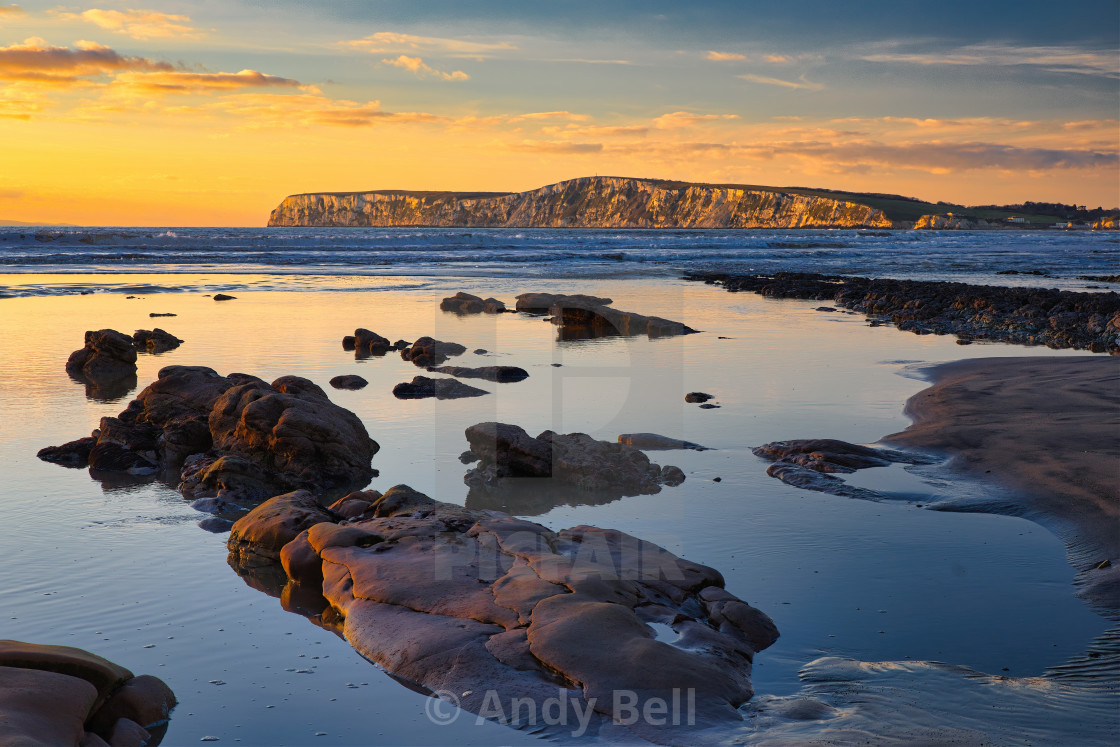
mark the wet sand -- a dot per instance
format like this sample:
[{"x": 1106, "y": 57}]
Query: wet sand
[{"x": 1048, "y": 429}]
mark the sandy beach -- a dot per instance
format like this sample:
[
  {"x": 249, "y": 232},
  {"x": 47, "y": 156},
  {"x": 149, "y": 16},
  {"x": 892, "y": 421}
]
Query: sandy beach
[{"x": 1047, "y": 432}]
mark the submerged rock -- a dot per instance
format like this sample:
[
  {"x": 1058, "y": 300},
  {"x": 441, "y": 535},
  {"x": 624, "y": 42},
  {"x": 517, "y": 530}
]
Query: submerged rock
[
  {"x": 428, "y": 351},
  {"x": 655, "y": 442},
  {"x": 809, "y": 464},
  {"x": 501, "y": 374},
  {"x": 465, "y": 303},
  {"x": 57, "y": 695},
  {"x": 423, "y": 387},
  {"x": 155, "y": 341},
  {"x": 107, "y": 354},
  {"x": 574, "y": 460},
  {"x": 474, "y": 602},
  {"x": 366, "y": 342},
  {"x": 235, "y": 437},
  {"x": 589, "y": 316}
]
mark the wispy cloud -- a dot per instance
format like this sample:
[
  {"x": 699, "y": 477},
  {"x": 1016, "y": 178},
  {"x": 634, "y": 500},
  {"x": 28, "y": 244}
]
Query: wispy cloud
[
  {"x": 36, "y": 60},
  {"x": 182, "y": 82},
  {"x": 417, "y": 67},
  {"x": 139, "y": 24},
  {"x": 677, "y": 120},
  {"x": 299, "y": 110},
  {"x": 557, "y": 146},
  {"x": 725, "y": 56},
  {"x": 800, "y": 84},
  {"x": 1050, "y": 58},
  {"x": 777, "y": 58},
  {"x": 391, "y": 41},
  {"x": 570, "y": 116},
  {"x": 11, "y": 10}
]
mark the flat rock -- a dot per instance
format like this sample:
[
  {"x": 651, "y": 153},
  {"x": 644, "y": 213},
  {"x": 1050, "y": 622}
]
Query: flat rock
[
  {"x": 465, "y": 303},
  {"x": 223, "y": 297},
  {"x": 423, "y": 387},
  {"x": 473, "y": 602},
  {"x": 348, "y": 381},
  {"x": 155, "y": 341},
  {"x": 501, "y": 374},
  {"x": 809, "y": 464},
  {"x": 428, "y": 351},
  {"x": 72, "y": 454},
  {"x": 107, "y": 354},
  {"x": 540, "y": 303},
  {"x": 655, "y": 442}
]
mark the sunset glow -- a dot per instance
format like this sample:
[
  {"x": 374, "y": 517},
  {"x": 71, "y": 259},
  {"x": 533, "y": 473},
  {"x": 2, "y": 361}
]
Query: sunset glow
[{"x": 191, "y": 113}]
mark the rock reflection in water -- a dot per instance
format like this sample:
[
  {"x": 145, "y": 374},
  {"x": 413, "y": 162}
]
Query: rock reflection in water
[
  {"x": 535, "y": 496},
  {"x": 108, "y": 388}
]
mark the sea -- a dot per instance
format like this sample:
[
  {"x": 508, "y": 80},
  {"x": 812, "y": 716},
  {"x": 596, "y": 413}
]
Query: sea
[
  {"x": 340, "y": 258},
  {"x": 898, "y": 623}
]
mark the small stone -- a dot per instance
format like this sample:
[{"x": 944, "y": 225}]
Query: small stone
[
  {"x": 709, "y": 406},
  {"x": 698, "y": 397},
  {"x": 223, "y": 297}
]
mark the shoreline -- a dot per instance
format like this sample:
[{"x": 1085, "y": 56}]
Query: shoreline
[{"x": 1025, "y": 423}]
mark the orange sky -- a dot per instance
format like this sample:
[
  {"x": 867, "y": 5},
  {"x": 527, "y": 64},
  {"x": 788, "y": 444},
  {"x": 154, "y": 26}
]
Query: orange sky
[{"x": 164, "y": 117}]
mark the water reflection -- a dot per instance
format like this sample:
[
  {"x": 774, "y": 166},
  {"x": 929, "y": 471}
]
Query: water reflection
[{"x": 106, "y": 389}]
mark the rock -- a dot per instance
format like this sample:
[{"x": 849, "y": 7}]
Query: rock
[
  {"x": 655, "y": 442},
  {"x": 155, "y": 341},
  {"x": 236, "y": 437},
  {"x": 540, "y": 303},
  {"x": 810, "y": 463},
  {"x": 672, "y": 476},
  {"x": 72, "y": 454},
  {"x": 468, "y": 457},
  {"x": 223, "y": 297},
  {"x": 154, "y": 314},
  {"x": 428, "y": 351},
  {"x": 480, "y": 351},
  {"x": 575, "y": 460},
  {"x": 501, "y": 374},
  {"x": 263, "y": 532},
  {"x": 365, "y": 342},
  {"x": 465, "y": 303},
  {"x": 824, "y": 308},
  {"x": 348, "y": 342},
  {"x": 422, "y": 387},
  {"x": 698, "y": 397},
  {"x": 474, "y": 602},
  {"x": 348, "y": 381},
  {"x": 107, "y": 354},
  {"x": 56, "y": 695},
  {"x": 1025, "y": 316},
  {"x": 709, "y": 406}
]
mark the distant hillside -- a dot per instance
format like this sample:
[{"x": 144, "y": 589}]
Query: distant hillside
[{"x": 31, "y": 223}]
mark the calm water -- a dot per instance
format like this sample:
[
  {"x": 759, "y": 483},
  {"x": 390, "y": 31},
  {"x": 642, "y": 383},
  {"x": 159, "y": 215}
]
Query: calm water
[{"x": 125, "y": 571}]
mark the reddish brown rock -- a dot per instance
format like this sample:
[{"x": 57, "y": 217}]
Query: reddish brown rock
[
  {"x": 465, "y": 303},
  {"x": 107, "y": 354},
  {"x": 264, "y": 531},
  {"x": 348, "y": 381},
  {"x": 155, "y": 341},
  {"x": 428, "y": 351},
  {"x": 423, "y": 387},
  {"x": 500, "y": 374}
]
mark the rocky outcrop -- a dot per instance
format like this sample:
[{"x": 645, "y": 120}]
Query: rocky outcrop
[
  {"x": 540, "y": 303},
  {"x": 486, "y": 608},
  {"x": 574, "y": 460},
  {"x": 588, "y": 202},
  {"x": 1026, "y": 316},
  {"x": 424, "y": 387},
  {"x": 107, "y": 354},
  {"x": 234, "y": 438},
  {"x": 500, "y": 374},
  {"x": 57, "y": 695},
  {"x": 155, "y": 341},
  {"x": 656, "y": 442},
  {"x": 465, "y": 303},
  {"x": 590, "y": 316}
]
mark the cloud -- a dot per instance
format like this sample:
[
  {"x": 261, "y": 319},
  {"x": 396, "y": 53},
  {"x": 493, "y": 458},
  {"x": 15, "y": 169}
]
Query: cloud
[
  {"x": 190, "y": 82},
  {"x": 11, "y": 194},
  {"x": 301, "y": 110},
  {"x": 725, "y": 56},
  {"x": 391, "y": 41},
  {"x": 21, "y": 101},
  {"x": 139, "y": 24},
  {"x": 676, "y": 120},
  {"x": 557, "y": 146},
  {"x": 35, "y": 60},
  {"x": 1052, "y": 59},
  {"x": 776, "y": 58},
  {"x": 570, "y": 116},
  {"x": 416, "y": 66},
  {"x": 800, "y": 84},
  {"x": 11, "y": 10}
]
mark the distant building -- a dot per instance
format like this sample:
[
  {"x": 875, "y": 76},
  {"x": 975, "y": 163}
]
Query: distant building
[{"x": 1016, "y": 219}]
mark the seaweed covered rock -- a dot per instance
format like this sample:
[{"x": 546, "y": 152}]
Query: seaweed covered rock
[
  {"x": 231, "y": 436},
  {"x": 57, "y": 695},
  {"x": 495, "y": 608}
]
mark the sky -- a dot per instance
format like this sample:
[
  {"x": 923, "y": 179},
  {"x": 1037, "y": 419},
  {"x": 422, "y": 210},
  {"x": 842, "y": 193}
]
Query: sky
[{"x": 209, "y": 112}]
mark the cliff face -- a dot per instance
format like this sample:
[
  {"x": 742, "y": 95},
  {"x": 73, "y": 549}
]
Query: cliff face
[{"x": 589, "y": 202}]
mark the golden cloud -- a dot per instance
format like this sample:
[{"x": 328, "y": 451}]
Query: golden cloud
[
  {"x": 139, "y": 24},
  {"x": 416, "y": 66},
  {"x": 391, "y": 41},
  {"x": 800, "y": 84},
  {"x": 11, "y": 10},
  {"x": 178, "y": 81},
  {"x": 677, "y": 120},
  {"x": 725, "y": 56},
  {"x": 37, "y": 61}
]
